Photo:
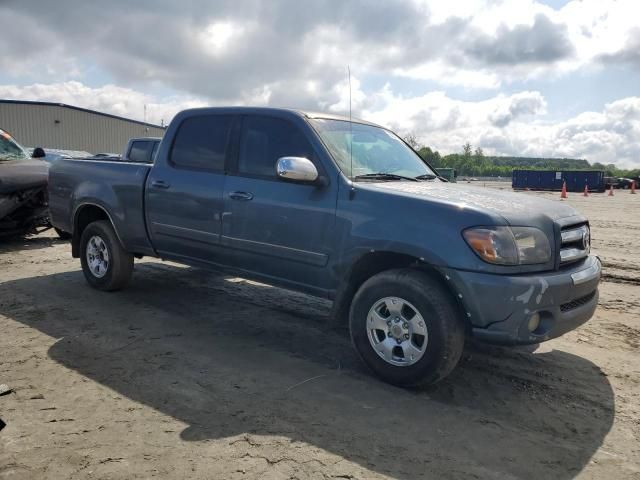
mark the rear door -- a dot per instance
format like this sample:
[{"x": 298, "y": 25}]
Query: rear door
[
  {"x": 274, "y": 227},
  {"x": 184, "y": 193}
]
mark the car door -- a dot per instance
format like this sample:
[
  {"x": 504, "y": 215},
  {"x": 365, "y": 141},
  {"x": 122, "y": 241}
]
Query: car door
[
  {"x": 274, "y": 227},
  {"x": 184, "y": 189}
]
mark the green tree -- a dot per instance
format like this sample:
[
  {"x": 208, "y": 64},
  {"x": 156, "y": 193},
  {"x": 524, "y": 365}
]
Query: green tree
[
  {"x": 412, "y": 141},
  {"x": 466, "y": 149},
  {"x": 431, "y": 156}
]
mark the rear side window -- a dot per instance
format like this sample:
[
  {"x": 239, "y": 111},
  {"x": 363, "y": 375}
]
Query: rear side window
[
  {"x": 140, "y": 151},
  {"x": 201, "y": 142},
  {"x": 264, "y": 140}
]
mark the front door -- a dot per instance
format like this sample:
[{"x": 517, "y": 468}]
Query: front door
[
  {"x": 274, "y": 227},
  {"x": 184, "y": 190}
]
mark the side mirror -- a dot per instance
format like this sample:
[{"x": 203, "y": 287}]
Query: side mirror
[
  {"x": 296, "y": 169},
  {"x": 38, "y": 152}
]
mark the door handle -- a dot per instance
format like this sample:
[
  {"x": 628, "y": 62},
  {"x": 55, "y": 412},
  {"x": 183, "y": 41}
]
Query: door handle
[
  {"x": 244, "y": 196},
  {"x": 160, "y": 184}
]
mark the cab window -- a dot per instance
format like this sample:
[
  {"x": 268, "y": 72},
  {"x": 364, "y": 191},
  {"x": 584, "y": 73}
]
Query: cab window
[
  {"x": 266, "y": 139},
  {"x": 201, "y": 142}
]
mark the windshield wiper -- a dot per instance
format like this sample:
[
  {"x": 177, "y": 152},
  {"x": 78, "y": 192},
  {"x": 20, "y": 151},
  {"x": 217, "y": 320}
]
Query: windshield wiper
[
  {"x": 384, "y": 176},
  {"x": 427, "y": 176}
]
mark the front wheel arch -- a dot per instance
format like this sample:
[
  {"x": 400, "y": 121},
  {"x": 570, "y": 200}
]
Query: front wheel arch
[{"x": 374, "y": 263}]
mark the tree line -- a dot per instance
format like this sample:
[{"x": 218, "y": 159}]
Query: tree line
[{"x": 474, "y": 163}]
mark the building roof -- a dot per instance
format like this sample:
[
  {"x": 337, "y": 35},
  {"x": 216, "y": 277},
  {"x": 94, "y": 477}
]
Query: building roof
[{"x": 80, "y": 109}]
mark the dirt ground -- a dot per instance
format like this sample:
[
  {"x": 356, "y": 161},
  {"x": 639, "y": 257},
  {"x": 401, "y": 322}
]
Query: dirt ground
[{"x": 189, "y": 374}]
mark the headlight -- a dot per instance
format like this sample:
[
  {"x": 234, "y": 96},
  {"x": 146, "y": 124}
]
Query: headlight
[{"x": 509, "y": 245}]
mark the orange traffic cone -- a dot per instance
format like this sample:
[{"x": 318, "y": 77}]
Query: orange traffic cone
[
  {"x": 563, "y": 194},
  {"x": 633, "y": 187},
  {"x": 611, "y": 191},
  {"x": 586, "y": 190}
]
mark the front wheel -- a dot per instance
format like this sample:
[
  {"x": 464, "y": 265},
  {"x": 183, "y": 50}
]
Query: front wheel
[
  {"x": 406, "y": 327},
  {"x": 105, "y": 263}
]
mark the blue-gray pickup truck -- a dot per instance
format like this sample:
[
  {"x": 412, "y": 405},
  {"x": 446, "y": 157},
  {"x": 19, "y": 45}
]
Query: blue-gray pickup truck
[{"x": 343, "y": 210}]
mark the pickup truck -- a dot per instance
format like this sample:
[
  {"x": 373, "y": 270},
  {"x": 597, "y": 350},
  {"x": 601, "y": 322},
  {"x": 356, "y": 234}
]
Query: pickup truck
[
  {"x": 344, "y": 210},
  {"x": 141, "y": 149}
]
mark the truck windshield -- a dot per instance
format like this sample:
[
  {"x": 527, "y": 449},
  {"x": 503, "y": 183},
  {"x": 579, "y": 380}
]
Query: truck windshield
[
  {"x": 377, "y": 153},
  {"x": 9, "y": 149}
]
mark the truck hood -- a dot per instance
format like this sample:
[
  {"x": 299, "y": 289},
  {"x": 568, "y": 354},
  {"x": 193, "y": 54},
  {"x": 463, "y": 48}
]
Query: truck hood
[
  {"x": 515, "y": 208},
  {"x": 16, "y": 175}
]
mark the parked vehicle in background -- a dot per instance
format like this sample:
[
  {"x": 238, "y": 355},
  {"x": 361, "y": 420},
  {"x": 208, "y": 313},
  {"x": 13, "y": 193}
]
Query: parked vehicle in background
[
  {"x": 141, "y": 150},
  {"x": 53, "y": 154},
  {"x": 342, "y": 210},
  {"x": 24, "y": 205},
  {"x": 624, "y": 183},
  {"x": 105, "y": 155},
  {"x": 611, "y": 182}
]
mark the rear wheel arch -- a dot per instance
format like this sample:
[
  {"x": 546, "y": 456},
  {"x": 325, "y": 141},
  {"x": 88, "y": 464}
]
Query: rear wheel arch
[{"x": 85, "y": 215}]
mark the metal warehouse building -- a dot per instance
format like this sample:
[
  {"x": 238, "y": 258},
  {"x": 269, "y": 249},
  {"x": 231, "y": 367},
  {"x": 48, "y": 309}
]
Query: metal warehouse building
[{"x": 60, "y": 126}]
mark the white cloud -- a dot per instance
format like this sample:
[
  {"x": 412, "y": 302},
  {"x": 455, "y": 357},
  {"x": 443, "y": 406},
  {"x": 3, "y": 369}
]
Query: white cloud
[
  {"x": 502, "y": 125},
  {"x": 515, "y": 125},
  {"x": 445, "y": 74},
  {"x": 225, "y": 51},
  {"x": 216, "y": 38},
  {"x": 108, "y": 98},
  {"x": 292, "y": 53}
]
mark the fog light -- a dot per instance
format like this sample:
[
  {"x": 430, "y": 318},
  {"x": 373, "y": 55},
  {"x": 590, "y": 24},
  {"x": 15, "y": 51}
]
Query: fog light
[{"x": 534, "y": 322}]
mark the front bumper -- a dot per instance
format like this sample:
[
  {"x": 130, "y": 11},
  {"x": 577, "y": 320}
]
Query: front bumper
[{"x": 500, "y": 307}]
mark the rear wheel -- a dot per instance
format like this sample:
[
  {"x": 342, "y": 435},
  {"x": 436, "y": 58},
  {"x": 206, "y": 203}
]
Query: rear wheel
[
  {"x": 406, "y": 327},
  {"x": 105, "y": 263}
]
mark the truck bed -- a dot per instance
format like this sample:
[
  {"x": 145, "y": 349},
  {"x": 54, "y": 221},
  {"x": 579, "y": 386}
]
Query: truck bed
[{"x": 116, "y": 186}]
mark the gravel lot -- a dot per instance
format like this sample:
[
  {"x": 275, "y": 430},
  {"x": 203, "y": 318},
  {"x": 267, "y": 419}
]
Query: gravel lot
[{"x": 189, "y": 374}]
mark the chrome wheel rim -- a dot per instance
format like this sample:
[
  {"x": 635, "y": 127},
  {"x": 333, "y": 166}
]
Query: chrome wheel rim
[
  {"x": 397, "y": 331},
  {"x": 97, "y": 257}
]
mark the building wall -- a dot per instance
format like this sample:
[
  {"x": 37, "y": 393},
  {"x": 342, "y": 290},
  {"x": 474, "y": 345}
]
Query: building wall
[{"x": 52, "y": 126}]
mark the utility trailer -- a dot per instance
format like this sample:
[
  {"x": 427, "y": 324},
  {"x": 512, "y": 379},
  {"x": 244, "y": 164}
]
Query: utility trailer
[{"x": 553, "y": 180}]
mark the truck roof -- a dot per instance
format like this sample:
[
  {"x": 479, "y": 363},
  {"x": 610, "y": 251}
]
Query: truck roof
[
  {"x": 144, "y": 138},
  {"x": 280, "y": 111}
]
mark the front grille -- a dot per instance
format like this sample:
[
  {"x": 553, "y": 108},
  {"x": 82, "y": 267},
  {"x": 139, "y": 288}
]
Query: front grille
[
  {"x": 575, "y": 243},
  {"x": 578, "y": 302}
]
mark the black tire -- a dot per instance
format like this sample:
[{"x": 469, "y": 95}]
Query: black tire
[
  {"x": 62, "y": 235},
  {"x": 445, "y": 327},
  {"x": 120, "y": 264}
]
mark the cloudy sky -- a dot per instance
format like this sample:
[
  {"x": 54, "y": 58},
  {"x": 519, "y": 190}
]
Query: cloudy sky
[{"x": 515, "y": 77}]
